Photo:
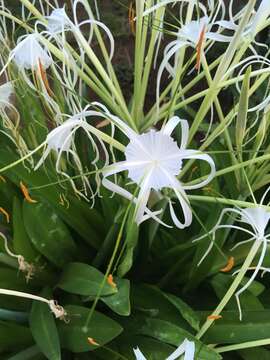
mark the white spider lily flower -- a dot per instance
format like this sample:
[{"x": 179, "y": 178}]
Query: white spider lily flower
[
  {"x": 187, "y": 348},
  {"x": 154, "y": 161},
  {"x": 61, "y": 140},
  {"x": 58, "y": 21},
  {"x": 193, "y": 34},
  {"x": 257, "y": 218},
  {"x": 29, "y": 54}
]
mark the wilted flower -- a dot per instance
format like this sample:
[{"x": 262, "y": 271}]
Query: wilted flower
[
  {"x": 257, "y": 218},
  {"x": 58, "y": 21},
  {"x": 153, "y": 161},
  {"x": 61, "y": 140},
  {"x": 6, "y": 91},
  {"x": 187, "y": 348},
  {"x": 29, "y": 54}
]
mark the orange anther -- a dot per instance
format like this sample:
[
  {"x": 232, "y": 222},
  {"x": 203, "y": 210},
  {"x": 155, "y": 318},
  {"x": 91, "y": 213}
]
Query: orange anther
[
  {"x": 214, "y": 317},
  {"x": 3, "y": 211},
  {"x": 92, "y": 341},
  {"x": 199, "y": 48},
  {"x": 2, "y": 178},
  {"x": 229, "y": 266},
  {"x": 44, "y": 78},
  {"x": 26, "y": 193},
  {"x": 110, "y": 281}
]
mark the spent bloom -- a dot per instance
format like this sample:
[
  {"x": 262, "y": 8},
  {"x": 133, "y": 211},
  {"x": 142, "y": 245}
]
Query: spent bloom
[
  {"x": 29, "y": 53},
  {"x": 6, "y": 90},
  {"x": 187, "y": 348},
  {"x": 256, "y": 218},
  {"x": 154, "y": 161},
  {"x": 61, "y": 141}
]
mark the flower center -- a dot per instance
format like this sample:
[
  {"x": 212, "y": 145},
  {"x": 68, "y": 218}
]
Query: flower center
[{"x": 156, "y": 152}]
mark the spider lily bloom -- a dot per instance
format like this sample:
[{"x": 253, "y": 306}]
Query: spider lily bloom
[
  {"x": 193, "y": 34},
  {"x": 187, "y": 348},
  {"x": 257, "y": 218},
  {"x": 10, "y": 119},
  {"x": 29, "y": 54},
  {"x": 153, "y": 161},
  {"x": 254, "y": 26},
  {"x": 61, "y": 140},
  {"x": 58, "y": 21}
]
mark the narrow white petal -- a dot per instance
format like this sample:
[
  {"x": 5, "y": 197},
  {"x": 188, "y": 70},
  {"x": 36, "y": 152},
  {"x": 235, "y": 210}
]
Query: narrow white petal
[
  {"x": 193, "y": 154},
  {"x": 139, "y": 355}
]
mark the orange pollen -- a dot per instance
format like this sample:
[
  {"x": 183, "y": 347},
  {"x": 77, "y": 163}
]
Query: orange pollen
[
  {"x": 26, "y": 193},
  {"x": 110, "y": 281},
  {"x": 44, "y": 78},
  {"x": 3, "y": 211},
  {"x": 199, "y": 48},
  {"x": 229, "y": 266},
  {"x": 131, "y": 16},
  {"x": 92, "y": 341},
  {"x": 2, "y": 178},
  {"x": 214, "y": 317}
]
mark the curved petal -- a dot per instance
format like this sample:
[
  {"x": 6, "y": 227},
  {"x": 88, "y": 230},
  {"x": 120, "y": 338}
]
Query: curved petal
[
  {"x": 183, "y": 200},
  {"x": 163, "y": 64},
  {"x": 171, "y": 125},
  {"x": 120, "y": 123},
  {"x": 143, "y": 197},
  {"x": 193, "y": 154},
  {"x": 114, "y": 169},
  {"x": 218, "y": 37}
]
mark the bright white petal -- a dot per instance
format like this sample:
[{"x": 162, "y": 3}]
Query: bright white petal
[
  {"x": 139, "y": 355},
  {"x": 193, "y": 154}
]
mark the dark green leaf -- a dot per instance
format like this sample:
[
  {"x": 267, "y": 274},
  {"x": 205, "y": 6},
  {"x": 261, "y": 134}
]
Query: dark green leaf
[
  {"x": 48, "y": 233},
  {"x": 186, "y": 311},
  {"x": 119, "y": 302},
  {"x": 43, "y": 328},
  {"x": 83, "y": 279},
  {"x": 74, "y": 334},
  {"x": 21, "y": 242}
]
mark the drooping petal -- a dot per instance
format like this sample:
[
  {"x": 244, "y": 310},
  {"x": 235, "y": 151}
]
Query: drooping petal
[
  {"x": 114, "y": 169},
  {"x": 171, "y": 125},
  {"x": 183, "y": 200},
  {"x": 193, "y": 154}
]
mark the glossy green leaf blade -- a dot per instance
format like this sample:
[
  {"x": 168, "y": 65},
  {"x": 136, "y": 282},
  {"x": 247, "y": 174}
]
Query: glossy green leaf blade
[
  {"x": 27, "y": 354},
  {"x": 43, "y": 328},
  {"x": 119, "y": 302},
  {"x": 48, "y": 233},
  {"x": 174, "y": 335},
  {"x": 74, "y": 334},
  {"x": 83, "y": 279},
  {"x": 14, "y": 336},
  {"x": 21, "y": 242},
  {"x": 255, "y": 325},
  {"x": 186, "y": 311}
]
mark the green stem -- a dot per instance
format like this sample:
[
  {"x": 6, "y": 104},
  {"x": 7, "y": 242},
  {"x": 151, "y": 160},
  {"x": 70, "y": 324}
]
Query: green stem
[
  {"x": 244, "y": 345},
  {"x": 236, "y": 282},
  {"x": 221, "y": 70},
  {"x": 110, "y": 265}
]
